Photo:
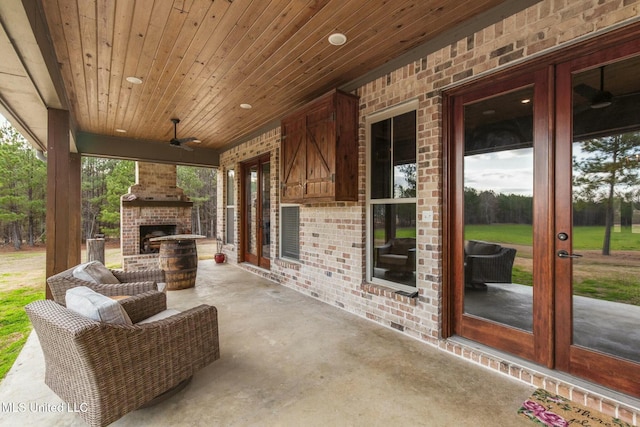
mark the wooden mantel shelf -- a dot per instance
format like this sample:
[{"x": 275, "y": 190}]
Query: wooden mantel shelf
[{"x": 157, "y": 203}]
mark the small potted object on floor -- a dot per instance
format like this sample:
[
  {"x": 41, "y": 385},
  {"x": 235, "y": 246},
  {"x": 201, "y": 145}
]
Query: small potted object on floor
[{"x": 219, "y": 257}]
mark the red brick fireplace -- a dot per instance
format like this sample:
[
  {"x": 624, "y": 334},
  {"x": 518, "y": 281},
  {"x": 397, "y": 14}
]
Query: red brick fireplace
[{"x": 154, "y": 207}]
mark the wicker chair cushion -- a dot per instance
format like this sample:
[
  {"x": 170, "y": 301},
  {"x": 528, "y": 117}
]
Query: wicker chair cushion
[
  {"x": 95, "y": 272},
  {"x": 159, "y": 316},
  {"x": 476, "y": 247},
  {"x": 93, "y": 305}
]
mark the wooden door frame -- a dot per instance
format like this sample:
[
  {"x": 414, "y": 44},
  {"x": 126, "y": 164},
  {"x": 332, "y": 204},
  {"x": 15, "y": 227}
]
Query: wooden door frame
[{"x": 259, "y": 260}]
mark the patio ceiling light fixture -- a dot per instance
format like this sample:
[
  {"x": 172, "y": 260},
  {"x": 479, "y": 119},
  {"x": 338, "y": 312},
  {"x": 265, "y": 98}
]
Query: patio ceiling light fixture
[
  {"x": 246, "y": 106},
  {"x": 337, "y": 39},
  {"x": 121, "y": 130}
]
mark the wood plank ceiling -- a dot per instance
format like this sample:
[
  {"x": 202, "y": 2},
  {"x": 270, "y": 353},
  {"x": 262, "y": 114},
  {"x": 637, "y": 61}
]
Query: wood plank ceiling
[{"x": 199, "y": 60}]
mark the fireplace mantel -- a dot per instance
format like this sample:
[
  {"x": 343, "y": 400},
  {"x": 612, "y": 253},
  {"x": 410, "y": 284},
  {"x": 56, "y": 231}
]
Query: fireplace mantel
[{"x": 156, "y": 203}]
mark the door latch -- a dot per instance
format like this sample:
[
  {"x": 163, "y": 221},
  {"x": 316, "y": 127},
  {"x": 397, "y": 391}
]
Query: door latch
[{"x": 565, "y": 254}]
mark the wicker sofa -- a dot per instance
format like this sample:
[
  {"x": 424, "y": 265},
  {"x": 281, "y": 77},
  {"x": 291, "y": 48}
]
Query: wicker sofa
[
  {"x": 131, "y": 283},
  {"x": 486, "y": 262},
  {"x": 109, "y": 370}
]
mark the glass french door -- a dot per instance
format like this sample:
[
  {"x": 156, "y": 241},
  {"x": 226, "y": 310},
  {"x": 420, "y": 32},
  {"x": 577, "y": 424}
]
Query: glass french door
[
  {"x": 256, "y": 227},
  {"x": 544, "y": 222},
  {"x": 502, "y": 200},
  {"x": 597, "y": 262}
]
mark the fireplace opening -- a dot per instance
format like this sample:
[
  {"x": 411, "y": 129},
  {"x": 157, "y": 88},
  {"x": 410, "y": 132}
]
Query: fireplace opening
[{"x": 148, "y": 232}]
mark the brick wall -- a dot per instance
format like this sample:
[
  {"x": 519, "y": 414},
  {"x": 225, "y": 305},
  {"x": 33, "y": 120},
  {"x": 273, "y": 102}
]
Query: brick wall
[
  {"x": 155, "y": 181},
  {"x": 332, "y": 256}
]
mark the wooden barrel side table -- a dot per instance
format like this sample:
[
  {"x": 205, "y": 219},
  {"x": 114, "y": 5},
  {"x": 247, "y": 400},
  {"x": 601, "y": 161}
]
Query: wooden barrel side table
[{"x": 179, "y": 259}]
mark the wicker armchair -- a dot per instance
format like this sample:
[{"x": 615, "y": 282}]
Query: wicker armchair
[
  {"x": 397, "y": 255},
  {"x": 110, "y": 370},
  {"x": 132, "y": 283},
  {"x": 486, "y": 262}
]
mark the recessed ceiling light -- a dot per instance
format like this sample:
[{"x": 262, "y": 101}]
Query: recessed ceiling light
[
  {"x": 488, "y": 112},
  {"x": 134, "y": 80},
  {"x": 121, "y": 130},
  {"x": 197, "y": 141},
  {"x": 337, "y": 39},
  {"x": 525, "y": 101},
  {"x": 246, "y": 106}
]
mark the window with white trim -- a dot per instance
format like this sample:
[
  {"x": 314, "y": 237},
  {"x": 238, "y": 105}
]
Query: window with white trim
[{"x": 391, "y": 197}]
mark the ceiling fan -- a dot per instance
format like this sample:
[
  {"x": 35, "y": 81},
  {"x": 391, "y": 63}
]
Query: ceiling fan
[
  {"x": 597, "y": 98},
  {"x": 180, "y": 142}
]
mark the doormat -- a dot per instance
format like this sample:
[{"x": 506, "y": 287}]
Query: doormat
[{"x": 546, "y": 409}]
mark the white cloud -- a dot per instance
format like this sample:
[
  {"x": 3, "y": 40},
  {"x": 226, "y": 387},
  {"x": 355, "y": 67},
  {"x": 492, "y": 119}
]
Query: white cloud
[{"x": 507, "y": 172}]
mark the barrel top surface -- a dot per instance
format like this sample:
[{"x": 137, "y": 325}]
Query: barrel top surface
[{"x": 177, "y": 237}]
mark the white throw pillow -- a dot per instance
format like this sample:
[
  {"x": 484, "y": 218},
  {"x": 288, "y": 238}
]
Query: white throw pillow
[
  {"x": 98, "y": 307},
  {"x": 95, "y": 272}
]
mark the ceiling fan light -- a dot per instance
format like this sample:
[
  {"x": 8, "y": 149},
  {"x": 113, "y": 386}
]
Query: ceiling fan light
[{"x": 602, "y": 100}]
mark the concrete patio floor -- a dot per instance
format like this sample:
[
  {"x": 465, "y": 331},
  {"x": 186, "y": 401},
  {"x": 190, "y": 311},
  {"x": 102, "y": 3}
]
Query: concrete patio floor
[
  {"x": 290, "y": 360},
  {"x": 606, "y": 326}
]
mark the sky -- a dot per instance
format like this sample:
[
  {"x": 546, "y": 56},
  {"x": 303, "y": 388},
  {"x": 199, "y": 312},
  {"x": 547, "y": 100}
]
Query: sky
[{"x": 508, "y": 172}]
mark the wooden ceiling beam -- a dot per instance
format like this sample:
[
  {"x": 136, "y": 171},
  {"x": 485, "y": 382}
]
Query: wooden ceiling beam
[{"x": 90, "y": 144}]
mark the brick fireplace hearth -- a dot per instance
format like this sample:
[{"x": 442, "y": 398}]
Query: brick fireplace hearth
[{"x": 154, "y": 207}]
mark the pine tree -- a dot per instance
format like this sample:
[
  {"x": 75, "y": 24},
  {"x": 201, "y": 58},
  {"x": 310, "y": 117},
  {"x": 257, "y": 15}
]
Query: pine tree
[
  {"x": 118, "y": 181},
  {"x": 610, "y": 164},
  {"x": 200, "y": 185},
  {"x": 22, "y": 189}
]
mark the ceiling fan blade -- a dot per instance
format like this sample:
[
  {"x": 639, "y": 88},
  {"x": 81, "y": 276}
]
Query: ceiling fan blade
[
  {"x": 586, "y": 91},
  {"x": 189, "y": 139},
  {"x": 176, "y": 144}
]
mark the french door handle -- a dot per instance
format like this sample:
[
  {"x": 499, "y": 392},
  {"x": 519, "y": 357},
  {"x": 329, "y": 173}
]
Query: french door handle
[{"x": 565, "y": 254}]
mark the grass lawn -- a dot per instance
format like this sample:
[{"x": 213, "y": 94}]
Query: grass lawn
[
  {"x": 400, "y": 232},
  {"x": 584, "y": 238},
  {"x": 14, "y": 323}
]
